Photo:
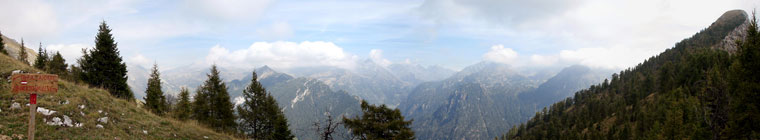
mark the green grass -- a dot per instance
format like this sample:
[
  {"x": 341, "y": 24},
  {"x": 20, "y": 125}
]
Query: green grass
[{"x": 125, "y": 119}]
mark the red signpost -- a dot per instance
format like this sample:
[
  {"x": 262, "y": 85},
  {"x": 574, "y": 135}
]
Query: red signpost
[{"x": 33, "y": 84}]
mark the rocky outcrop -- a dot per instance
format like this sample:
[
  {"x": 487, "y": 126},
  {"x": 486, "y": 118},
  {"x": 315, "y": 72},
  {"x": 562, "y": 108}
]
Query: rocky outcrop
[{"x": 729, "y": 42}]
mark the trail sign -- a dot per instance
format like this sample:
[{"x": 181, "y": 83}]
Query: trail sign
[{"x": 34, "y": 83}]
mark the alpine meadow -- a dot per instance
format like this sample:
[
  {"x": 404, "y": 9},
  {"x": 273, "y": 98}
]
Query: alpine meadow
[{"x": 379, "y": 70}]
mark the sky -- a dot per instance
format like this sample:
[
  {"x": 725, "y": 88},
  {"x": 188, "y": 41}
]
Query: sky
[{"x": 285, "y": 34}]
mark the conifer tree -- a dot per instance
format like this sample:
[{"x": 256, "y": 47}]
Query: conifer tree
[
  {"x": 2, "y": 45},
  {"x": 182, "y": 110},
  {"x": 154, "y": 98},
  {"x": 744, "y": 122},
  {"x": 260, "y": 116},
  {"x": 103, "y": 67},
  {"x": 22, "y": 56},
  {"x": 379, "y": 122},
  {"x": 42, "y": 58},
  {"x": 57, "y": 65},
  {"x": 212, "y": 104}
]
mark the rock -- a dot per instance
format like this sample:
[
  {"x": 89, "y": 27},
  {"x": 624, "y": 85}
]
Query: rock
[
  {"x": 81, "y": 113},
  {"x": 54, "y": 121},
  {"x": 44, "y": 111},
  {"x": 17, "y": 72},
  {"x": 67, "y": 121},
  {"x": 15, "y": 105},
  {"x": 100, "y": 111},
  {"x": 81, "y": 106},
  {"x": 65, "y": 102},
  {"x": 103, "y": 120},
  {"x": 78, "y": 124},
  {"x": 205, "y": 137},
  {"x": 145, "y": 132},
  {"x": 99, "y": 126}
]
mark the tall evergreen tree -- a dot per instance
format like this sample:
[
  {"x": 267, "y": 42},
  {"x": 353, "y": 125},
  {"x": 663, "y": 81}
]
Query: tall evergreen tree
[
  {"x": 103, "y": 67},
  {"x": 212, "y": 104},
  {"x": 2, "y": 45},
  {"x": 745, "y": 109},
  {"x": 42, "y": 58},
  {"x": 260, "y": 117},
  {"x": 182, "y": 109},
  {"x": 22, "y": 56},
  {"x": 57, "y": 65},
  {"x": 154, "y": 98},
  {"x": 379, "y": 122}
]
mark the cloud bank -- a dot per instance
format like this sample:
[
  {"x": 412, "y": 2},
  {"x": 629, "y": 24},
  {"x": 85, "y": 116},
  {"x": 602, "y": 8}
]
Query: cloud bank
[{"x": 282, "y": 55}]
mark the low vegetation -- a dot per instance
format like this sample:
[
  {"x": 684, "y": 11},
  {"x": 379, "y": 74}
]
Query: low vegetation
[{"x": 86, "y": 108}]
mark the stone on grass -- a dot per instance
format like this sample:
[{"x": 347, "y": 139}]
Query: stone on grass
[
  {"x": 103, "y": 120},
  {"x": 46, "y": 112},
  {"x": 15, "y": 105}
]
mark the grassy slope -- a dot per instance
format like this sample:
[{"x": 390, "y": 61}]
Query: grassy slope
[{"x": 125, "y": 119}]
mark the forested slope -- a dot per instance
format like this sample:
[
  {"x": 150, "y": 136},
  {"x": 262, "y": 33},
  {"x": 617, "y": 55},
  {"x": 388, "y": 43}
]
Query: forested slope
[{"x": 699, "y": 89}]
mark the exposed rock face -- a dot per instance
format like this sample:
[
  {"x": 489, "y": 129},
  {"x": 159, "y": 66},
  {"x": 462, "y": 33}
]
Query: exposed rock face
[
  {"x": 13, "y": 48},
  {"x": 729, "y": 42}
]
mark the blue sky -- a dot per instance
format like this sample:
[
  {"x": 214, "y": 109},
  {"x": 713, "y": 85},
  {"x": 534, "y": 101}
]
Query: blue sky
[{"x": 291, "y": 33}]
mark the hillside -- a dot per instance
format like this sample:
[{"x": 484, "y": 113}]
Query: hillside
[
  {"x": 700, "y": 89},
  {"x": 12, "y": 46},
  {"x": 79, "y": 110}
]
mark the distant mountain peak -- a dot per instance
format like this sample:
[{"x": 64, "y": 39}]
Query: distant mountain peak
[{"x": 264, "y": 69}]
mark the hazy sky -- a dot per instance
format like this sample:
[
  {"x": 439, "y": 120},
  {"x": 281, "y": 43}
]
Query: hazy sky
[{"x": 286, "y": 34}]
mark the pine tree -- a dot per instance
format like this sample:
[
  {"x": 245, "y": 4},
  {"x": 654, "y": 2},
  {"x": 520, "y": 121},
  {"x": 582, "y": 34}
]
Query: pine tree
[
  {"x": 744, "y": 118},
  {"x": 42, "y": 58},
  {"x": 154, "y": 98},
  {"x": 103, "y": 67},
  {"x": 260, "y": 116},
  {"x": 57, "y": 65},
  {"x": 212, "y": 104},
  {"x": 200, "y": 105},
  {"x": 2, "y": 45},
  {"x": 182, "y": 110},
  {"x": 22, "y": 56},
  {"x": 379, "y": 122}
]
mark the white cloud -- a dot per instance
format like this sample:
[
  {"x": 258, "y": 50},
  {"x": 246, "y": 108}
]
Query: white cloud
[
  {"x": 27, "y": 19},
  {"x": 70, "y": 52},
  {"x": 276, "y": 31},
  {"x": 282, "y": 55},
  {"x": 541, "y": 60},
  {"x": 600, "y": 33},
  {"x": 501, "y": 55},
  {"x": 377, "y": 56},
  {"x": 140, "y": 60},
  {"x": 610, "y": 58}
]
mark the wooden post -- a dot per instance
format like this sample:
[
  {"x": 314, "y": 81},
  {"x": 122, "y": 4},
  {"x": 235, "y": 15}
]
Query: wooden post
[
  {"x": 32, "y": 112},
  {"x": 33, "y": 84}
]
